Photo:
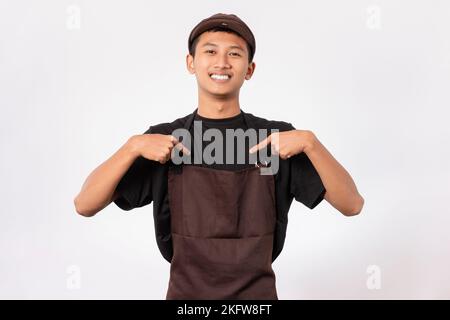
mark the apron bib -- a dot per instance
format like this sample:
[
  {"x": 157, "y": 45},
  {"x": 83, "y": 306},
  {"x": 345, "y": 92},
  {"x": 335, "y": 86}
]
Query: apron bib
[{"x": 223, "y": 225}]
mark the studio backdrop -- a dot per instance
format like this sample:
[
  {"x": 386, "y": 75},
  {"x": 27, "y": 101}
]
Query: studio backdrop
[{"x": 369, "y": 78}]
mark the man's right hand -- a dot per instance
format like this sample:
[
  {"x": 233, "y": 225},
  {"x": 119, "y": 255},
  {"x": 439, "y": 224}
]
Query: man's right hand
[{"x": 157, "y": 147}]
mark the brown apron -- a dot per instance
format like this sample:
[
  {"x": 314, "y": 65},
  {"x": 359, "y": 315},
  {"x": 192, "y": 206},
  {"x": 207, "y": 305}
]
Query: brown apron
[{"x": 223, "y": 225}]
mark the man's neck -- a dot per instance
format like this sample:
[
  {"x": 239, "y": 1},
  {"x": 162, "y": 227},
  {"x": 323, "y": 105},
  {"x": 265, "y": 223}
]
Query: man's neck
[{"x": 213, "y": 108}]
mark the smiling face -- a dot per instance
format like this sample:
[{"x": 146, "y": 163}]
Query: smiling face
[{"x": 220, "y": 64}]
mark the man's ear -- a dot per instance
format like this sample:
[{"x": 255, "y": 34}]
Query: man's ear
[
  {"x": 250, "y": 71},
  {"x": 190, "y": 63}
]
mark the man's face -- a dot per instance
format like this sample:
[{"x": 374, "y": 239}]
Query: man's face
[{"x": 220, "y": 64}]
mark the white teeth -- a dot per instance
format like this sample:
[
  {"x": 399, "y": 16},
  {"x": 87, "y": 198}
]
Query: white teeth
[{"x": 220, "y": 76}]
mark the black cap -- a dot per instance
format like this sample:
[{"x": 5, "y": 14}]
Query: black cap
[{"x": 227, "y": 21}]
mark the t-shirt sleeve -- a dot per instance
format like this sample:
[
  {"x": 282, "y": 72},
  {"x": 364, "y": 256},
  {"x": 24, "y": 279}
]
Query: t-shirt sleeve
[
  {"x": 305, "y": 183},
  {"x": 135, "y": 187}
]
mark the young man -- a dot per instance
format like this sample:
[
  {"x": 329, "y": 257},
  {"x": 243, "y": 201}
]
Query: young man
[{"x": 220, "y": 223}]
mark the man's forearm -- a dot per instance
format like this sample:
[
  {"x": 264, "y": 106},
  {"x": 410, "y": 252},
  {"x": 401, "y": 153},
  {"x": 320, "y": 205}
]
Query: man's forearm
[
  {"x": 98, "y": 189},
  {"x": 341, "y": 191}
]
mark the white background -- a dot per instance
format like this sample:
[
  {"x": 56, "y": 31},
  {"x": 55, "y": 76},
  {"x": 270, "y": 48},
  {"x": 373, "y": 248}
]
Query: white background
[{"x": 369, "y": 78}]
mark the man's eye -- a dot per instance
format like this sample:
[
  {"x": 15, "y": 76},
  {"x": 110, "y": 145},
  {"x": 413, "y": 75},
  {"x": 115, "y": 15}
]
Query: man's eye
[
  {"x": 209, "y": 51},
  {"x": 235, "y": 53}
]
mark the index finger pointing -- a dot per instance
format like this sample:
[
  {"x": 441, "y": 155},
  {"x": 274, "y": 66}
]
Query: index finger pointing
[
  {"x": 181, "y": 147},
  {"x": 173, "y": 139},
  {"x": 260, "y": 145}
]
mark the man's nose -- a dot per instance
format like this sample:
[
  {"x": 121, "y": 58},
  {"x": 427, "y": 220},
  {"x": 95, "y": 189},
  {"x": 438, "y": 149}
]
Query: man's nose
[{"x": 222, "y": 60}]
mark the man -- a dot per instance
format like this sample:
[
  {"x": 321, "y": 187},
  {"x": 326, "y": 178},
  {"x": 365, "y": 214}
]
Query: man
[{"x": 220, "y": 223}]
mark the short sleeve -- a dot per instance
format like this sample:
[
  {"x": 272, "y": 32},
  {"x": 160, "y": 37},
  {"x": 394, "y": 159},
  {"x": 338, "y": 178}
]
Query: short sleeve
[
  {"x": 305, "y": 183},
  {"x": 135, "y": 187}
]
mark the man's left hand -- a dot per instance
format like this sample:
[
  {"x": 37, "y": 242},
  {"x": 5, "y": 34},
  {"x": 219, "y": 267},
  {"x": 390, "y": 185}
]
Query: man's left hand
[{"x": 288, "y": 143}]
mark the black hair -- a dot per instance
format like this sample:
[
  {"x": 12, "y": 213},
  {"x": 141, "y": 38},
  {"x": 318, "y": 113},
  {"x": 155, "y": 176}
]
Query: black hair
[{"x": 216, "y": 29}]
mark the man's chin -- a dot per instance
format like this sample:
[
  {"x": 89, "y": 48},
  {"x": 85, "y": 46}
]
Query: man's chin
[{"x": 221, "y": 93}]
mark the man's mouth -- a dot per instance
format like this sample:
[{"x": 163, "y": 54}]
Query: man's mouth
[{"x": 220, "y": 77}]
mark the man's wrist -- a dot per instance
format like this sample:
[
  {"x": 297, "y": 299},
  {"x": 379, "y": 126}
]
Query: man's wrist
[
  {"x": 132, "y": 146},
  {"x": 310, "y": 141}
]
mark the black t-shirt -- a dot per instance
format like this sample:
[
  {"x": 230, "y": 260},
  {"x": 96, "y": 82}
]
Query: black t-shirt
[
  {"x": 146, "y": 180},
  {"x": 234, "y": 123}
]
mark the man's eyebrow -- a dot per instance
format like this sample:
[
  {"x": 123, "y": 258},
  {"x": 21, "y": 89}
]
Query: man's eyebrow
[{"x": 231, "y": 47}]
